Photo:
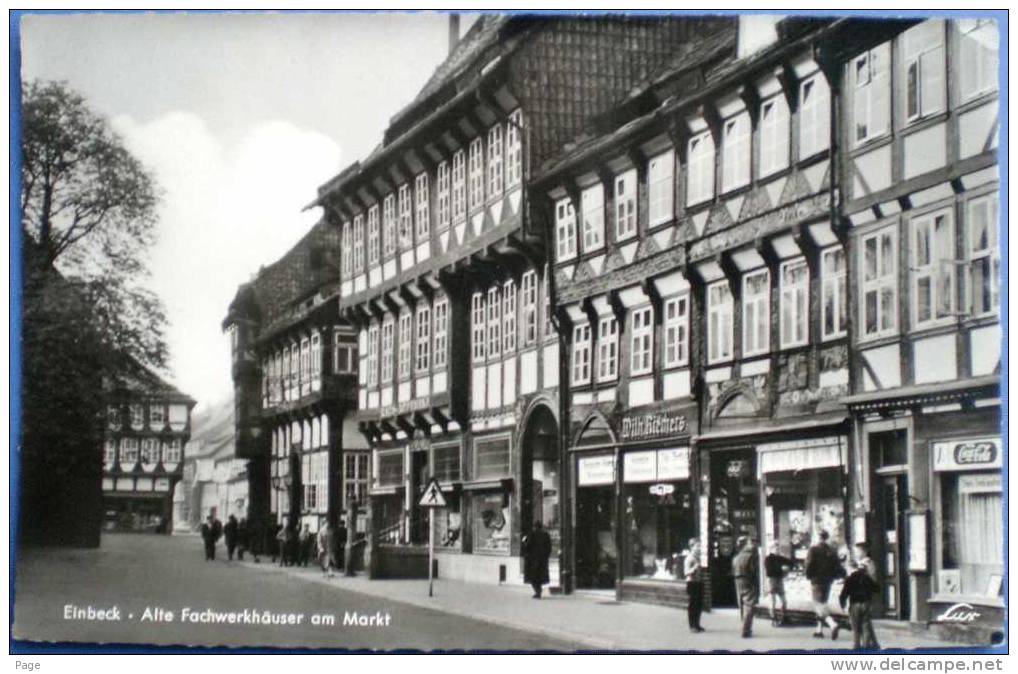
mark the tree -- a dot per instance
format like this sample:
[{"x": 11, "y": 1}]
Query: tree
[{"x": 89, "y": 207}]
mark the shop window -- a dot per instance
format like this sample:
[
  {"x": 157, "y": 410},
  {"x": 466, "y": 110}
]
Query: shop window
[
  {"x": 358, "y": 244},
  {"x": 923, "y": 62},
  {"x": 774, "y": 135},
  {"x": 491, "y": 459},
  {"x": 445, "y": 463},
  {"x": 984, "y": 255},
  {"x": 565, "y": 230},
  {"x": 581, "y": 354},
  {"x": 980, "y": 46},
  {"x": 449, "y": 524},
  {"x": 933, "y": 260},
  {"x": 719, "y": 322},
  {"x": 659, "y": 523},
  {"x": 459, "y": 185},
  {"x": 373, "y": 237},
  {"x": 879, "y": 288},
  {"x": 756, "y": 314},
  {"x": 494, "y": 322},
  {"x": 607, "y": 349},
  {"x": 390, "y": 469},
  {"x": 814, "y": 116},
  {"x": 794, "y": 303},
  {"x": 677, "y": 331},
  {"x": 870, "y": 72},
  {"x": 495, "y": 165},
  {"x": 625, "y": 205},
  {"x": 528, "y": 285},
  {"x": 972, "y": 561},
  {"x": 442, "y": 211},
  {"x": 475, "y": 174},
  {"x": 736, "y": 154},
  {"x": 642, "y": 341},
  {"x": 833, "y": 290},
  {"x": 441, "y": 348},
  {"x": 422, "y": 207},
  {"x": 700, "y": 169},
  {"x": 491, "y": 517},
  {"x": 592, "y": 207}
]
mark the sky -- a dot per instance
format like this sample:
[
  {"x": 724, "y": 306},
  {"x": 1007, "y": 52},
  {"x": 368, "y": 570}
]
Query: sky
[{"x": 240, "y": 117}]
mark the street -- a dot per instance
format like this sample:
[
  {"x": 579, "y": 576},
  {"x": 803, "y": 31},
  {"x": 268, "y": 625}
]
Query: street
[{"x": 167, "y": 574}]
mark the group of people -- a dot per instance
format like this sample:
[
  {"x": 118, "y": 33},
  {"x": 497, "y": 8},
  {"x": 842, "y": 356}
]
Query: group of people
[{"x": 823, "y": 567}]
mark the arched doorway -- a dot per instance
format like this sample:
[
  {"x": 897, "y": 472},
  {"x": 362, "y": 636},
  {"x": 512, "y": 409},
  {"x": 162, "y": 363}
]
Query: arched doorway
[
  {"x": 596, "y": 539},
  {"x": 541, "y": 485}
]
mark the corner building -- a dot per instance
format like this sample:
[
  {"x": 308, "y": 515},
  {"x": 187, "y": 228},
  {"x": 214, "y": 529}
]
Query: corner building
[{"x": 444, "y": 275}]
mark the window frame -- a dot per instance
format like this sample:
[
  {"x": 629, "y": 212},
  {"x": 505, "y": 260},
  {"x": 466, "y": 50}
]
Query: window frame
[
  {"x": 494, "y": 322},
  {"x": 440, "y": 332},
  {"x": 346, "y": 256},
  {"x": 374, "y": 250},
  {"x": 799, "y": 306},
  {"x": 875, "y": 90},
  {"x": 934, "y": 269},
  {"x": 700, "y": 173},
  {"x": 389, "y": 225},
  {"x": 775, "y": 135},
  {"x": 607, "y": 349},
  {"x": 443, "y": 201},
  {"x": 986, "y": 69},
  {"x": 509, "y": 317},
  {"x": 626, "y": 208},
  {"x": 475, "y": 174},
  {"x": 514, "y": 149},
  {"x": 580, "y": 369},
  {"x": 405, "y": 347},
  {"x": 676, "y": 330},
  {"x": 565, "y": 230},
  {"x": 388, "y": 358},
  {"x": 879, "y": 283},
  {"x": 528, "y": 290},
  {"x": 661, "y": 188},
  {"x": 496, "y": 167},
  {"x": 358, "y": 243},
  {"x": 592, "y": 215},
  {"x": 920, "y": 58},
  {"x": 814, "y": 116},
  {"x": 736, "y": 151},
  {"x": 840, "y": 281},
  {"x": 641, "y": 340},
  {"x": 422, "y": 207},
  {"x": 720, "y": 314},
  {"x": 761, "y": 303},
  {"x": 405, "y": 218},
  {"x": 990, "y": 253},
  {"x": 458, "y": 199},
  {"x": 478, "y": 327}
]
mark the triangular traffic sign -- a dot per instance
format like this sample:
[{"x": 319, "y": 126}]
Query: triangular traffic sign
[{"x": 432, "y": 496}]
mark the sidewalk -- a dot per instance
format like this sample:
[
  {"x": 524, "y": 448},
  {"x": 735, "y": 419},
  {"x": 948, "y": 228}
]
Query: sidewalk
[{"x": 595, "y": 620}]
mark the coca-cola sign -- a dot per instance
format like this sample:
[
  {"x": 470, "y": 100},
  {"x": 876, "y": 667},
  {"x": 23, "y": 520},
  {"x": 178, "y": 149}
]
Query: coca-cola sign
[{"x": 967, "y": 454}]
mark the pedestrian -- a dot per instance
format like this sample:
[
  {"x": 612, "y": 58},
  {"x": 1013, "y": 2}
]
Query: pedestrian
[
  {"x": 863, "y": 559},
  {"x": 536, "y": 551},
  {"x": 230, "y": 534},
  {"x": 858, "y": 591},
  {"x": 242, "y": 538},
  {"x": 746, "y": 570},
  {"x": 326, "y": 555},
  {"x": 208, "y": 537},
  {"x": 305, "y": 542},
  {"x": 339, "y": 541},
  {"x": 822, "y": 567},
  {"x": 694, "y": 585},
  {"x": 281, "y": 533},
  {"x": 776, "y": 566}
]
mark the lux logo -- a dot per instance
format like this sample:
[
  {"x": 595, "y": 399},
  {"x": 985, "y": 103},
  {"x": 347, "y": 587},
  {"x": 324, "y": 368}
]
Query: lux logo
[{"x": 959, "y": 613}]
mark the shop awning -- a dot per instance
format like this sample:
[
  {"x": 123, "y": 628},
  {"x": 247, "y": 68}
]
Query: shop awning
[
  {"x": 774, "y": 426},
  {"x": 829, "y": 452},
  {"x": 926, "y": 394}
]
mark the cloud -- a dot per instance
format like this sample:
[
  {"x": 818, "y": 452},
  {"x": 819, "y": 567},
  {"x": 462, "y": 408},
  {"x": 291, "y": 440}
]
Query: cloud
[{"x": 226, "y": 211}]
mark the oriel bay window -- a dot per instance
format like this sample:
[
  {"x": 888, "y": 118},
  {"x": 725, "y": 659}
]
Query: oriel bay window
[
  {"x": 149, "y": 453},
  {"x": 833, "y": 291},
  {"x": 676, "y": 331},
  {"x": 879, "y": 288},
  {"x": 924, "y": 77},
  {"x": 581, "y": 354},
  {"x": 870, "y": 73},
  {"x": 814, "y": 116},
  {"x": 422, "y": 197},
  {"x": 172, "y": 451},
  {"x": 423, "y": 352},
  {"x": 979, "y": 44},
  {"x": 565, "y": 229},
  {"x": 700, "y": 169},
  {"x": 406, "y": 342},
  {"x": 774, "y": 135},
  {"x": 642, "y": 346},
  {"x": 794, "y": 303},
  {"x": 592, "y": 205},
  {"x": 932, "y": 268},
  {"x": 528, "y": 284},
  {"x": 719, "y": 322},
  {"x": 660, "y": 187},
  {"x": 984, "y": 255},
  {"x": 607, "y": 350},
  {"x": 756, "y": 313},
  {"x": 494, "y": 322},
  {"x": 736, "y": 144},
  {"x": 477, "y": 327},
  {"x": 625, "y": 205},
  {"x": 389, "y": 226},
  {"x": 441, "y": 348}
]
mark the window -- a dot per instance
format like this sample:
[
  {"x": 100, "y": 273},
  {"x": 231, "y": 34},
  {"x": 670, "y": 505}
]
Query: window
[
  {"x": 358, "y": 244},
  {"x": 972, "y": 541},
  {"x": 128, "y": 453},
  {"x": 642, "y": 341},
  {"x": 344, "y": 352},
  {"x": 592, "y": 204},
  {"x": 549, "y": 325},
  {"x": 495, "y": 166},
  {"x": 528, "y": 284},
  {"x": 492, "y": 458},
  {"x": 719, "y": 322},
  {"x": 814, "y": 116},
  {"x": 149, "y": 451},
  {"x": 422, "y": 196},
  {"x": 625, "y": 205},
  {"x": 113, "y": 417},
  {"x": 565, "y": 229},
  {"x": 406, "y": 343},
  {"x": 294, "y": 370},
  {"x": 459, "y": 185},
  {"x": 316, "y": 355},
  {"x": 494, "y": 322},
  {"x": 305, "y": 360},
  {"x": 933, "y": 256},
  {"x": 477, "y": 326},
  {"x": 389, "y": 226},
  {"x": 984, "y": 255},
  {"x": 156, "y": 416},
  {"x": 388, "y": 328},
  {"x": 406, "y": 218},
  {"x": 373, "y": 238},
  {"x": 756, "y": 313},
  {"x": 879, "y": 305},
  {"x": 700, "y": 169},
  {"x": 346, "y": 255},
  {"x": 774, "y": 135},
  {"x": 137, "y": 416},
  {"x": 172, "y": 451},
  {"x": 476, "y": 173},
  {"x": 444, "y": 193},
  {"x": 794, "y": 303},
  {"x": 676, "y": 331},
  {"x": 423, "y": 359},
  {"x": 871, "y": 75},
  {"x": 514, "y": 149},
  {"x": 833, "y": 289},
  {"x": 607, "y": 349},
  {"x": 980, "y": 45},
  {"x": 661, "y": 188},
  {"x": 581, "y": 354},
  {"x": 355, "y": 476},
  {"x": 509, "y": 317},
  {"x": 736, "y": 147},
  {"x": 110, "y": 453},
  {"x": 441, "y": 348},
  {"x": 390, "y": 468},
  {"x": 923, "y": 60}
]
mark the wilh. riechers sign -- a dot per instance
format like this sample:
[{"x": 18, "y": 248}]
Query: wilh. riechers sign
[{"x": 643, "y": 426}]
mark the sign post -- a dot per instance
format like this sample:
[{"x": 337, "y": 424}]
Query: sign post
[{"x": 432, "y": 498}]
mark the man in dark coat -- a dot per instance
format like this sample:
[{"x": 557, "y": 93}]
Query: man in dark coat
[
  {"x": 242, "y": 540},
  {"x": 230, "y": 533},
  {"x": 536, "y": 551},
  {"x": 746, "y": 570},
  {"x": 822, "y": 567},
  {"x": 209, "y": 537}
]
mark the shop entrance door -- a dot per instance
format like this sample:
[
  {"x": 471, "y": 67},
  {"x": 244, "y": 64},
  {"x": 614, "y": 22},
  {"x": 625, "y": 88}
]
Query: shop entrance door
[
  {"x": 891, "y": 505},
  {"x": 734, "y": 499},
  {"x": 596, "y": 554}
]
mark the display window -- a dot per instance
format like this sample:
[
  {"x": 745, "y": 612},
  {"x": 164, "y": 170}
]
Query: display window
[
  {"x": 491, "y": 519},
  {"x": 449, "y": 524},
  {"x": 388, "y": 514}
]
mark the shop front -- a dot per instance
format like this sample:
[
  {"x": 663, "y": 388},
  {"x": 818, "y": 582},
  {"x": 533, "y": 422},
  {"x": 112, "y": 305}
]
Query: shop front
[{"x": 596, "y": 553}]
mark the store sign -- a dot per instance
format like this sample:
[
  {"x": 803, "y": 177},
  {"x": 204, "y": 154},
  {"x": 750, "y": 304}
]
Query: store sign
[
  {"x": 405, "y": 407},
  {"x": 656, "y": 465},
  {"x": 595, "y": 470},
  {"x": 974, "y": 454},
  {"x": 640, "y": 466},
  {"x": 958, "y": 613},
  {"x": 673, "y": 464},
  {"x": 662, "y": 489},
  {"x": 653, "y": 425},
  {"x": 738, "y": 468}
]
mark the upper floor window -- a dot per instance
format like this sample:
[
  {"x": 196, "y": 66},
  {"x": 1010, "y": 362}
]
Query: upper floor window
[
  {"x": 475, "y": 173},
  {"x": 592, "y": 203},
  {"x": 879, "y": 288},
  {"x": 833, "y": 291},
  {"x": 459, "y": 185},
  {"x": 172, "y": 451},
  {"x": 625, "y": 205},
  {"x": 423, "y": 355},
  {"x": 736, "y": 152},
  {"x": 514, "y": 149},
  {"x": 509, "y": 316},
  {"x": 128, "y": 452},
  {"x": 774, "y": 135},
  {"x": 344, "y": 352},
  {"x": 528, "y": 288},
  {"x": 406, "y": 343},
  {"x": 422, "y": 196},
  {"x": 933, "y": 256},
  {"x": 406, "y": 218},
  {"x": 478, "y": 327},
  {"x": 346, "y": 254},
  {"x": 607, "y": 349},
  {"x": 642, "y": 341},
  {"x": 565, "y": 229},
  {"x": 495, "y": 165},
  {"x": 305, "y": 359},
  {"x": 389, "y": 225},
  {"x": 358, "y": 243},
  {"x": 581, "y": 354},
  {"x": 756, "y": 313},
  {"x": 549, "y": 324},
  {"x": 661, "y": 188},
  {"x": 388, "y": 357},
  {"x": 156, "y": 416},
  {"x": 442, "y": 211},
  {"x": 441, "y": 348},
  {"x": 373, "y": 236},
  {"x": 794, "y": 303},
  {"x": 113, "y": 417},
  {"x": 700, "y": 169},
  {"x": 294, "y": 368},
  {"x": 984, "y": 254},
  {"x": 494, "y": 322},
  {"x": 676, "y": 325},
  {"x": 719, "y": 322},
  {"x": 137, "y": 416},
  {"x": 316, "y": 354},
  {"x": 814, "y": 116},
  {"x": 923, "y": 61},
  {"x": 110, "y": 452},
  {"x": 870, "y": 72},
  {"x": 979, "y": 43}
]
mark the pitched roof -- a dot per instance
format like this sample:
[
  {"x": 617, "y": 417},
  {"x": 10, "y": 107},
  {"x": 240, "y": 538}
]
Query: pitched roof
[{"x": 132, "y": 378}]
